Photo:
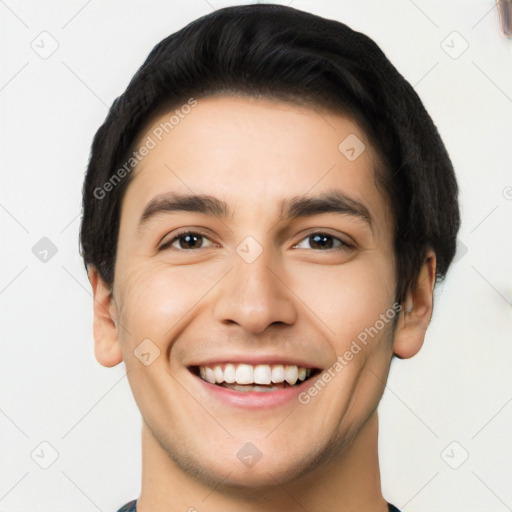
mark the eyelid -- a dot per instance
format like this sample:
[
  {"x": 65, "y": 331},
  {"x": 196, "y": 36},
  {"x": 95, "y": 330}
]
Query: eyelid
[
  {"x": 346, "y": 240},
  {"x": 173, "y": 236}
]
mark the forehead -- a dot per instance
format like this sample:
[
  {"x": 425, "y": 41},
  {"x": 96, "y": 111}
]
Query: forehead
[{"x": 253, "y": 151}]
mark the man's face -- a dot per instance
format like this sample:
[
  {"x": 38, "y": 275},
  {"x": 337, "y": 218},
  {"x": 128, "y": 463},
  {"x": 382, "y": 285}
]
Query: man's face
[{"x": 266, "y": 280}]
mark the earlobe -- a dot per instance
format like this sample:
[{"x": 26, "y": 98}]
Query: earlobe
[
  {"x": 107, "y": 348},
  {"x": 417, "y": 311}
]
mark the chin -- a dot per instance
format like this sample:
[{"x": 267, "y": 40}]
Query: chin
[{"x": 274, "y": 467}]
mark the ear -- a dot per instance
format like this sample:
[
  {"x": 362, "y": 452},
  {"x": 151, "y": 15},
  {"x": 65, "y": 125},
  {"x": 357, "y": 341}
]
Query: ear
[
  {"x": 417, "y": 311},
  {"x": 107, "y": 348}
]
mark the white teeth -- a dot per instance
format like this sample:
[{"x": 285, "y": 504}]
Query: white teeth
[
  {"x": 244, "y": 374},
  {"x": 261, "y": 374},
  {"x": 230, "y": 374},
  {"x": 291, "y": 374},
  {"x": 278, "y": 373},
  {"x": 210, "y": 376},
  {"x": 219, "y": 374}
]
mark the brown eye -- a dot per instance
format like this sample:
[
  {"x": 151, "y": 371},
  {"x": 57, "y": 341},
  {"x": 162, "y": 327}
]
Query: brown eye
[
  {"x": 321, "y": 241},
  {"x": 186, "y": 241}
]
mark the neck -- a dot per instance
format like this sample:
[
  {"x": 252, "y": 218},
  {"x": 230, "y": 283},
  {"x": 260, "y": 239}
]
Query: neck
[{"x": 348, "y": 482}]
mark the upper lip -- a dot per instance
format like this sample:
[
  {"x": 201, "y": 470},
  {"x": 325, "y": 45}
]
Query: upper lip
[{"x": 255, "y": 359}]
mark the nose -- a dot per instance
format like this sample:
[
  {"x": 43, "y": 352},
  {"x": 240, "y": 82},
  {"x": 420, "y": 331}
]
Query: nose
[{"x": 255, "y": 296}]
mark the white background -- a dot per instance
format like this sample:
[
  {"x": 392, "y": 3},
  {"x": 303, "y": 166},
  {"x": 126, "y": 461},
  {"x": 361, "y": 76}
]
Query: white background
[{"x": 459, "y": 388}]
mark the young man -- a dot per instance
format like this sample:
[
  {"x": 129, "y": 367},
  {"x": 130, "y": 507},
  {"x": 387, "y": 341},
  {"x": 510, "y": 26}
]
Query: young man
[{"x": 266, "y": 211}]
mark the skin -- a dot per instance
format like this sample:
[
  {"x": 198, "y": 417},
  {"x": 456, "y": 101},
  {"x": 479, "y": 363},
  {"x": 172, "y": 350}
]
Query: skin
[{"x": 296, "y": 298}]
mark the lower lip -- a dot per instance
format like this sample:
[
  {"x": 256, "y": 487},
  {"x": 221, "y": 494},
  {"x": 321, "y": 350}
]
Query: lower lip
[{"x": 254, "y": 399}]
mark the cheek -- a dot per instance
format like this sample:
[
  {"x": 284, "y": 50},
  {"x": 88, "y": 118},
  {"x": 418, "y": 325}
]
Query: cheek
[
  {"x": 348, "y": 298},
  {"x": 155, "y": 298}
]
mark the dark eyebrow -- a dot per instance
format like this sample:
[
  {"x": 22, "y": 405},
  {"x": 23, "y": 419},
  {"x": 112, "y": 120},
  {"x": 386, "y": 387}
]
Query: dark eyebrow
[
  {"x": 329, "y": 202},
  {"x": 200, "y": 203},
  {"x": 294, "y": 207}
]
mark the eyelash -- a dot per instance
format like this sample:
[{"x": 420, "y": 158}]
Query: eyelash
[{"x": 343, "y": 244}]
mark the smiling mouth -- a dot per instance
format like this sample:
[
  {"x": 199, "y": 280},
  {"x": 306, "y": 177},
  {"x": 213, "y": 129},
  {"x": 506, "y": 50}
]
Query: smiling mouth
[{"x": 261, "y": 377}]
